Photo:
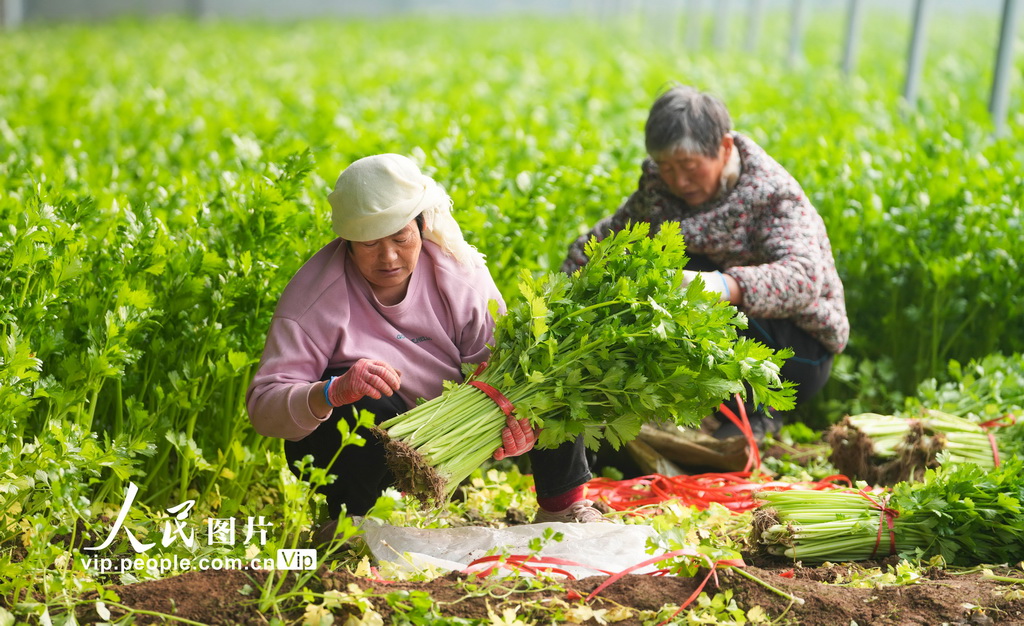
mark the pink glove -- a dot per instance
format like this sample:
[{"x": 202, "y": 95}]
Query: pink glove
[
  {"x": 517, "y": 438},
  {"x": 366, "y": 378}
]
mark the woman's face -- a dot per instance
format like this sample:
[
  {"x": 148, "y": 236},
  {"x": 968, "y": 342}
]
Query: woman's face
[
  {"x": 694, "y": 178},
  {"x": 388, "y": 263}
]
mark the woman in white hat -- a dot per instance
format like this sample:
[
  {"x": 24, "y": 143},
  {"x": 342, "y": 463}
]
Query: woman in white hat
[{"x": 377, "y": 319}]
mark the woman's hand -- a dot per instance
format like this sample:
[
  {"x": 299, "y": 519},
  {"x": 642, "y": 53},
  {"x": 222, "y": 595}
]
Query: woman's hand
[
  {"x": 517, "y": 438},
  {"x": 368, "y": 377}
]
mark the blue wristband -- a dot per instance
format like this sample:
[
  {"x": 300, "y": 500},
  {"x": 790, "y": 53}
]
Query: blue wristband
[
  {"x": 727, "y": 293},
  {"x": 327, "y": 387}
]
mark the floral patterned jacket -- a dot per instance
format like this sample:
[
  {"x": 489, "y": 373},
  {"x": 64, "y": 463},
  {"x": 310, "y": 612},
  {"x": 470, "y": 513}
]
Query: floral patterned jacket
[{"x": 763, "y": 232}]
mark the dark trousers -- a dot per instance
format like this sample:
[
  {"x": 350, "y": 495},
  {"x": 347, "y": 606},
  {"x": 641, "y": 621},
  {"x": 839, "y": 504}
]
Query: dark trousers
[
  {"x": 557, "y": 470},
  {"x": 810, "y": 365},
  {"x": 362, "y": 473}
]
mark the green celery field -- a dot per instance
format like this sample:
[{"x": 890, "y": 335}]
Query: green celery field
[{"x": 161, "y": 181}]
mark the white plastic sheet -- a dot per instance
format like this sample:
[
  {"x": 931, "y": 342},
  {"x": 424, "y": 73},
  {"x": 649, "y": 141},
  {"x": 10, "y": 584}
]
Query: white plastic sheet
[{"x": 596, "y": 548}]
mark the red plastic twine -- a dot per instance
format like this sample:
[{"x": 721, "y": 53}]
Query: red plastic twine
[
  {"x": 743, "y": 423},
  {"x": 735, "y": 491},
  {"x": 503, "y": 403},
  {"x": 712, "y": 567},
  {"x": 1007, "y": 420},
  {"x": 485, "y": 566},
  {"x": 886, "y": 515},
  {"x": 995, "y": 448}
]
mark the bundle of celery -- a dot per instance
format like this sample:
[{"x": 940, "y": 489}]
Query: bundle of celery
[
  {"x": 989, "y": 387},
  {"x": 886, "y": 449},
  {"x": 596, "y": 354},
  {"x": 960, "y": 512}
]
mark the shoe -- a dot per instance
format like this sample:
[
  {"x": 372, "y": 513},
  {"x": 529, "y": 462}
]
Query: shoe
[
  {"x": 581, "y": 511},
  {"x": 323, "y": 535},
  {"x": 760, "y": 424}
]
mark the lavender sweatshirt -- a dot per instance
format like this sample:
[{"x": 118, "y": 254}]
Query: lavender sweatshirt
[{"x": 328, "y": 317}]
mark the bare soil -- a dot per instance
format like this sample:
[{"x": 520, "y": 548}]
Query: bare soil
[
  {"x": 228, "y": 597},
  {"x": 940, "y": 597}
]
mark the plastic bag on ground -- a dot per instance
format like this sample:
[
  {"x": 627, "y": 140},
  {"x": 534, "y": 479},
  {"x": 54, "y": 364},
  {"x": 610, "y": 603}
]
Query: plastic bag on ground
[{"x": 595, "y": 549}]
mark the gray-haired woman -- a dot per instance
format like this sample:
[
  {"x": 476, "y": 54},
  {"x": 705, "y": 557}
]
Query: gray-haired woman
[{"x": 751, "y": 234}]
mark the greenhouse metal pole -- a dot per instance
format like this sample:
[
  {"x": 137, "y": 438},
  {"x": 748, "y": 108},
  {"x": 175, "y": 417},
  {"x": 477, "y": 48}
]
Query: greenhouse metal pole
[
  {"x": 999, "y": 102},
  {"x": 854, "y": 18},
  {"x": 12, "y": 12},
  {"x": 796, "y": 32},
  {"x": 753, "y": 25},
  {"x": 693, "y": 24},
  {"x": 721, "y": 32},
  {"x": 675, "y": 16},
  {"x": 663, "y": 22},
  {"x": 916, "y": 56},
  {"x": 198, "y": 9}
]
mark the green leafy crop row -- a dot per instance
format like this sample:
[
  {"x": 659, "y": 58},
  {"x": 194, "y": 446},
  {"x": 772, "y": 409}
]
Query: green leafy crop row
[{"x": 160, "y": 183}]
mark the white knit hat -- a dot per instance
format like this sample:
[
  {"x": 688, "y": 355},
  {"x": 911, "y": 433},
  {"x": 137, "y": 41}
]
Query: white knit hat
[{"x": 379, "y": 195}]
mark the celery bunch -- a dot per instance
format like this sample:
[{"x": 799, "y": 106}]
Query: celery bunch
[
  {"x": 596, "y": 354},
  {"x": 960, "y": 512},
  {"x": 885, "y": 449}
]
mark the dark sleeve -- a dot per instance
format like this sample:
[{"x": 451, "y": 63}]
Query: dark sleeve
[
  {"x": 634, "y": 209},
  {"x": 791, "y": 281}
]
